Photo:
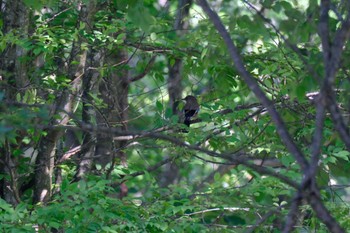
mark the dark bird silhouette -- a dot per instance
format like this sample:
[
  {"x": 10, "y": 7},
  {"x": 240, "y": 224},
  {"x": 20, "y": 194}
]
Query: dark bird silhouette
[{"x": 190, "y": 109}]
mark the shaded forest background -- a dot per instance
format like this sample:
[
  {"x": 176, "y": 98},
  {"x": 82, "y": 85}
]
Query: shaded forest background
[{"x": 91, "y": 132}]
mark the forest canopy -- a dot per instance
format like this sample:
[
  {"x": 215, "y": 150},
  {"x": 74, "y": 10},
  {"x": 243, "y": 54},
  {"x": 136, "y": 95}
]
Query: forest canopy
[{"x": 97, "y": 134}]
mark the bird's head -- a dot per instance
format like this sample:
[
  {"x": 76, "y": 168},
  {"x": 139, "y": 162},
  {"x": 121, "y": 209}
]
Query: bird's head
[{"x": 190, "y": 98}]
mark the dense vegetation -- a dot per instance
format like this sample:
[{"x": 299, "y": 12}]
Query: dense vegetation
[{"x": 91, "y": 129}]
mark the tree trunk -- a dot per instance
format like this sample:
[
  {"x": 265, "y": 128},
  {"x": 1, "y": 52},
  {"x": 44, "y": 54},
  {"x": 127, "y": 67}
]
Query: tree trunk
[
  {"x": 13, "y": 77},
  {"x": 65, "y": 105},
  {"x": 114, "y": 91},
  {"x": 90, "y": 80}
]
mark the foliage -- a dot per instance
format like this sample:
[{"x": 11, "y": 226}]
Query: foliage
[{"x": 217, "y": 185}]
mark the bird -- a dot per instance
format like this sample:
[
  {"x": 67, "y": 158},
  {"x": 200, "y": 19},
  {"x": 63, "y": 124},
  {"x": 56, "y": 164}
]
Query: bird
[{"x": 190, "y": 109}]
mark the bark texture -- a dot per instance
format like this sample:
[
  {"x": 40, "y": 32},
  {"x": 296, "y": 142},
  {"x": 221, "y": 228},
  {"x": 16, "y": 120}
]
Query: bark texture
[
  {"x": 13, "y": 83},
  {"x": 65, "y": 105}
]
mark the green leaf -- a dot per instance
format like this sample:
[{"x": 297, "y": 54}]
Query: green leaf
[
  {"x": 153, "y": 36},
  {"x": 159, "y": 106},
  {"x": 172, "y": 62},
  {"x": 217, "y": 176},
  {"x": 120, "y": 38},
  {"x": 344, "y": 154},
  {"x": 204, "y": 52}
]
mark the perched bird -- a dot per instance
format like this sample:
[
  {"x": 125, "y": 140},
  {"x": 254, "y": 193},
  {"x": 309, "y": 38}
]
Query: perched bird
[{"x": 190, "y": 109}]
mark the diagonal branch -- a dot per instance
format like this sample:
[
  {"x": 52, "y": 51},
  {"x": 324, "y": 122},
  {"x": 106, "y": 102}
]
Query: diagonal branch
[
  {"x": 252, "y": 84},
  {"x": 316, "y": 140},
  {"x": 332, "y": 56},
  {"x": 146, "y": 71},
  {"x": 323, "y": 30},
  {"x": 315, "y": 201},
  {"x": 340, "y": 38}
]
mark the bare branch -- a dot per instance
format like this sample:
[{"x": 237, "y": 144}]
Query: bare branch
[
  {"x": 162, "y": 49},
  {"x": 69, "y": 154},
  {"x": 230, "y": 209},
  {"x": 323, "y": 29},
  {"x": 317, "y": 140},
  {"x": 264, "y": 218},
  {"x": 146, "y": 71}
]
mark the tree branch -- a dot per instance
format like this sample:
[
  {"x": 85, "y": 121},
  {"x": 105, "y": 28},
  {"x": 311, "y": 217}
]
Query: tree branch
[
  {"x": 252, "y": 84},
  {"x": 289, "y": 44},
  {"x": 149, "y": 169},
  {"x": 323, "y": 29},
  {"x": 331, "y": 68},
  {"x": 315, "y": 201},
  {"x": 316, "y": 141},
  {"x": 293, "y": 213},
  {"x": 146, "y": 71},
  {"x": 337, "y": 118},
  {"x": 233, "y": 158}
]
